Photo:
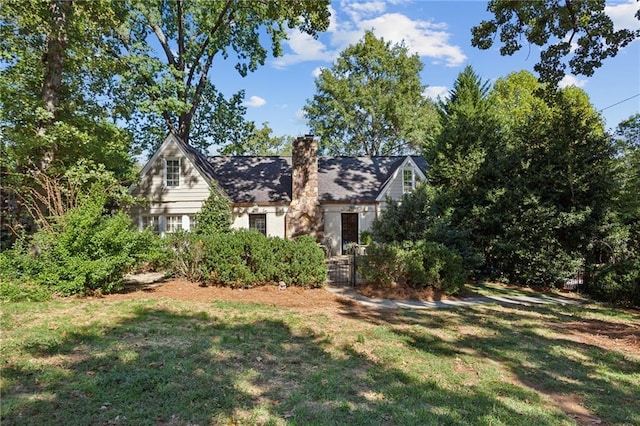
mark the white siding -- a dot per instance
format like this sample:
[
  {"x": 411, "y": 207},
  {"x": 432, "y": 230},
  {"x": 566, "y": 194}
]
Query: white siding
[
  {"x": 275, "y": 218},
  {"x": 395, "y": 187},
  {"x": 333, "y": 221},
  {"x": 185, "y": 200}
]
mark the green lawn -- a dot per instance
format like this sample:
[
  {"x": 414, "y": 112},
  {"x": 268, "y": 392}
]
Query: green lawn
[{"x": 103, "y": 361}]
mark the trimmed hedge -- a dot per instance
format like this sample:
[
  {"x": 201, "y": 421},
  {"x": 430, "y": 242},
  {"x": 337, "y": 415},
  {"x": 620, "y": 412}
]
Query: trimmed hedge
[
  {"x": 420, "y": 264},
  {"x": 247, "y": 258}
]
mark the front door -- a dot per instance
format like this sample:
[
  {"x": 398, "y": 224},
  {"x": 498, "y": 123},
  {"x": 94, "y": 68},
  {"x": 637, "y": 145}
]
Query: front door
[{"x": 349, "y": 230}]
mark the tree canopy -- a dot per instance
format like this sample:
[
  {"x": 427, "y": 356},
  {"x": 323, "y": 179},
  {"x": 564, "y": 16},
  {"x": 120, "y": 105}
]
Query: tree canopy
[
  {"x": 174, "y": 90},
  {"x": 370, "y": 101},
  {"x": 575, "y": 31}
]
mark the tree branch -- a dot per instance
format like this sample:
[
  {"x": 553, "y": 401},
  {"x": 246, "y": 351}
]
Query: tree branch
[
  {"x": 205, "y": 44},
  {"x": 163, "y": 42},
  {"x": 180, "y": 35}
]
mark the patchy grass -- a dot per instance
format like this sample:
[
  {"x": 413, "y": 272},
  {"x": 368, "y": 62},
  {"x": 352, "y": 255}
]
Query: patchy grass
[
  {"x": 490, "y": 288},
  {"x": 170, "y": 362}
]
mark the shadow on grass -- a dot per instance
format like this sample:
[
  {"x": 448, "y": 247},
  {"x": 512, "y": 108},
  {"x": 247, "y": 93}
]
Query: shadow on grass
[
  {"x": 545, "y": 348},
  {"x": 163, "y": 367}
]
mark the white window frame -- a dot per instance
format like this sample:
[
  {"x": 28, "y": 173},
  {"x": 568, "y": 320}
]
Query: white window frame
[
  {"x": 193, "y": 221},
  {"x": 257, "y": 228},
  {"x": 173, "y": 223},
  {"x": 150, "y": 220},
  {"x": 166, "y": 180},
  {"x": 408, "y": 188}
]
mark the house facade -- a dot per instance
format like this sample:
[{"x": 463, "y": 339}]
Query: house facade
[{"x": 333, "y": 199}]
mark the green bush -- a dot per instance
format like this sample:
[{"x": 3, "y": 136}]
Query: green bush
[
  {"x": 19, "y": 291},
  {"x": 381, "y": 265},
  {"x": 307, "y": 265},
  {"x": 618, "y": 283},
  {"x": 246, "y": 258},
  {"x": 87, "y": 250},
  {"x": 215, "y": 215},
  {"x": 420, "y": 264}
]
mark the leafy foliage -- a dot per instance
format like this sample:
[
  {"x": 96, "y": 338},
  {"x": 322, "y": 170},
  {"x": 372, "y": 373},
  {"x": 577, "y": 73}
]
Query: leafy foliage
[
  {"x": 259, "y": 142},
  {"x": 618, "y": 283},
  {"x": 370, "y": 102},
  {"x": 85, "y": 251},
  {"x": 174, "y": 91},
  {"x": 215, "y": 215},
  {"x": 527, "y": 180},
  {"x": 419, "y": 264},
  {"x": 420, "y": 216},
  {"x": 247, "y": 258},
  {"x": 557, "y": 26}
]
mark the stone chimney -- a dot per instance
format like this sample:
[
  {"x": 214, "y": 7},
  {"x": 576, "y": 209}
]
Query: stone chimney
[{"x": 304, "y": 216}]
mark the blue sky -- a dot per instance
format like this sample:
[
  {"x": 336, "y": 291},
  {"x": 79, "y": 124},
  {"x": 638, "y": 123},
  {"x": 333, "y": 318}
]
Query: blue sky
[{"x": 440, "y": 33}]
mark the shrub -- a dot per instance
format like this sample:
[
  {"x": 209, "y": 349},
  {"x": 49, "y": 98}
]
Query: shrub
[
  {"x": 18, "y": 291},
  {"x": 85, "y": 250},
  {"x": 418, "y": 264},
  {"x": 215, "y": 215},
  {"x": 618, "y": 283},
  {"x": 381, "y": 265},
  {"x": 245, "y": 258},
  {"x": 433, "y": 264},
  {"x": 307, "y": 265}
]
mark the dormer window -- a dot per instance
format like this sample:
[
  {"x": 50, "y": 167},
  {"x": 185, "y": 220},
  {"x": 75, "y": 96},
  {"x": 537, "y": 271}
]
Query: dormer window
[
  {"x": 172, "y": 173},
  {"x": 408, "y": 180}
]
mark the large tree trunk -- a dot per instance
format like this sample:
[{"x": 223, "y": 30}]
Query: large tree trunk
[{"x": 53, "y": 58}]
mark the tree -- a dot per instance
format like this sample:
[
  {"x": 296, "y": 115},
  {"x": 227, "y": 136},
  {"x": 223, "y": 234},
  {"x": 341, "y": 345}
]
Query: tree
[
  {"x": 627, "y": 162},
  {"x": 575, "y": 29},
  {"x": 467, "y": 125},
  {"x": 530, "y": 182},
  {"x": 259, "y": 142},
  {"x": 370, "y": 102},
  {"x": 55, "y": 82},
  {"x": 215, "y": 215},
  {"x": 176, "y": 91},
  {"x": 55, "y": 103}
]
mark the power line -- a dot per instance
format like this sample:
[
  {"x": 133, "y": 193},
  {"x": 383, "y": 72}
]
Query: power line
[{"x": 624, "y": 100}]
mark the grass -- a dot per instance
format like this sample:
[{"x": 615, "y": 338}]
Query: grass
[{"x": 82, "y": 361}]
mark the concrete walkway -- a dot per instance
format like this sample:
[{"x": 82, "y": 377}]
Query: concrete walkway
[{"x": 350, "y": 293}]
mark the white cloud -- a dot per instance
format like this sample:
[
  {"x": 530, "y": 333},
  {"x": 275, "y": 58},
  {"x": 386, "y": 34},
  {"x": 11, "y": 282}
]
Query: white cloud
[
  {"x": 422, "y": 37},
  {"x": 300, "y": 117},
  {"x": 426, "y": 38},
  {"x": 305, "y": 48},
  {"x": 316, "y": 72},
  {"x": 435, "y": 92},
  {"x": 254, "y": 102},
  {"x": 623, "y": 15},
  {"x": 570, "y": 80},
  {"x": 357, "y": 11}
]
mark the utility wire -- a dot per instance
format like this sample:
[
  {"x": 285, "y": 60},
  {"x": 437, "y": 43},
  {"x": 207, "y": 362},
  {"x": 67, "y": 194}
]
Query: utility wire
[{"x": 624, "y": 100}]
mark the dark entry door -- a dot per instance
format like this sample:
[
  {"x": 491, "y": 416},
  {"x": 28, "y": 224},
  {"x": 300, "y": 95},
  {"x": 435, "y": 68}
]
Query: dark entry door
[{"x": 349, "y": 230}]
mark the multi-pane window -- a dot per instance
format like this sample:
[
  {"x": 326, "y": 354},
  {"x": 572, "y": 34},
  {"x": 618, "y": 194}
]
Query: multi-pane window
[
  {"x": 172, "y": 177},
  {"x": 408, "y": 182},
  {"x": 173, "y": 224},
  {"x": 258, "y": 222},
  {"x": 150, "y": 222},
  {"x": 193, "y": 220}
]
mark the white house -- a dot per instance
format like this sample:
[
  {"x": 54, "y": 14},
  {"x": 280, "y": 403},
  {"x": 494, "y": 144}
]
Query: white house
[{"x": 331, "y": 198}]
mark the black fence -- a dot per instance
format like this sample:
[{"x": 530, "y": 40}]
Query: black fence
[{"x": 342, "y": 270}]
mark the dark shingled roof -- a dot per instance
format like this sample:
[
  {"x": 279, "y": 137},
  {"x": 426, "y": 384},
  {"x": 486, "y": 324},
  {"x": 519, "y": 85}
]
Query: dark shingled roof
[
  {"x": 253, "y": 179},
  {"x": 268, "y": 179}
]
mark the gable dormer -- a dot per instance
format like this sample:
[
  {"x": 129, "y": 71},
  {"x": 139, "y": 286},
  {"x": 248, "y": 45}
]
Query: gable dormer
[{"x": 402, "y": 180}]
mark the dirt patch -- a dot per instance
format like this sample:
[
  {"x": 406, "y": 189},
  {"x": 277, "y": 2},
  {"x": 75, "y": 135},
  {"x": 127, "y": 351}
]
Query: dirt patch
[
  {"x": 397, "y": 292},
  {"x": 181, "y": 289},
  {"x": 623, "y": 338},
  {"x": 572, "y": 405}
]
